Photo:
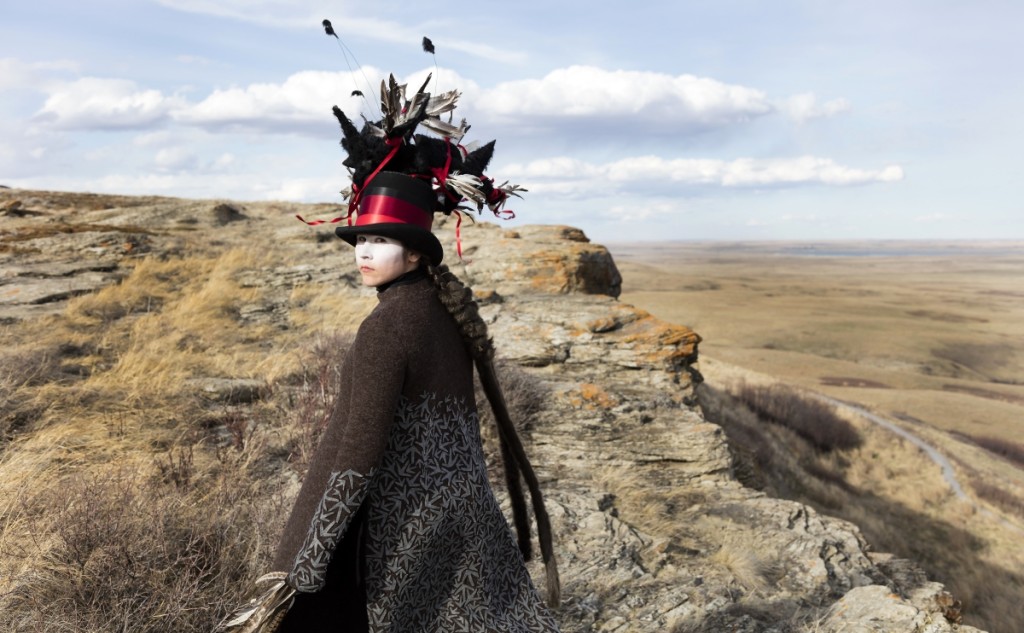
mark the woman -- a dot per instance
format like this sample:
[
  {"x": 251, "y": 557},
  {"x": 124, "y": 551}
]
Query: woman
[
  {"x": 396, "y": 522},
  {"x": 395, "y": 527}
]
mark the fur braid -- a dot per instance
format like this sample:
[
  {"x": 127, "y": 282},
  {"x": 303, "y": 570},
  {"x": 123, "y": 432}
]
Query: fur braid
[{"x": 458, "y": 301}]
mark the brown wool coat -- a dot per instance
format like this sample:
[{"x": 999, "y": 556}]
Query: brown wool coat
[{"x": 395, "y": 527}]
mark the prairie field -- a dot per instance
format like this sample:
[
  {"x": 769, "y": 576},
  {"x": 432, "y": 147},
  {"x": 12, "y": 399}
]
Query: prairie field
[{"x": 929, "y": 336}]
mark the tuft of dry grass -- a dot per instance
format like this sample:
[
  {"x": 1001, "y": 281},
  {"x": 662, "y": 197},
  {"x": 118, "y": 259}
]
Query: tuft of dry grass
[
  {"x": 1000, "y": 497},
  {"x": 318, "y": 384},
  {"x": 21, "y": 369},
  {"x": 171, "y": 539}
]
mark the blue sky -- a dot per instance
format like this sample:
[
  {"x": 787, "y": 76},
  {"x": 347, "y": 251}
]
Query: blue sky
[{"x": 732, "y": 119}]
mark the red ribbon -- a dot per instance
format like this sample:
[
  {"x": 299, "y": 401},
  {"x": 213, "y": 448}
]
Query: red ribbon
[
  {"x": 458, "y": 236},
  {"x": 347, "y": 216}
]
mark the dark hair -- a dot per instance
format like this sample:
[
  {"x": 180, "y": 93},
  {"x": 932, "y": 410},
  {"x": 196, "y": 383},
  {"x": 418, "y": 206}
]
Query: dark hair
[{"x": 457, "y": 298}]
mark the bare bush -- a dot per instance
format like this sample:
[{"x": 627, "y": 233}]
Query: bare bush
[
  {"x": 128, "y": 553},
  {"x": 813, "y": 420},
  {"x": 1004, "y": 448},
  {"x": 1000, "y": 497},
  {"x": 318, "y": 382},
  {"x": 20, "y": 369}
]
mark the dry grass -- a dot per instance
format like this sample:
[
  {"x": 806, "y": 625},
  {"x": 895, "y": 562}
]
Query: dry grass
[
  {"x": 168, "y": 539},
  {"x": 862, "y": 486},
  {"x": 318, "y": 383},
  {"x": 118, "y": 550},
  {"x": 1012, "y": 451}
]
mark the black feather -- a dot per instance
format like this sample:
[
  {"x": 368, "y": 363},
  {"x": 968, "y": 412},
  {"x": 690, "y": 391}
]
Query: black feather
[
  {"x": 414, "y": 119},
  {"x": 428, "y": 46},
  {"x": 328, "y": 29},
  {"x": 357, "y": 93},
  {"x": 477, "y": 160},
  {"x": 431, "y": 153}
]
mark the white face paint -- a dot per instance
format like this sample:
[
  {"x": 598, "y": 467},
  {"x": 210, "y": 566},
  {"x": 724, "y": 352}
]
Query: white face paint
[{"x": 382, "y": 259}]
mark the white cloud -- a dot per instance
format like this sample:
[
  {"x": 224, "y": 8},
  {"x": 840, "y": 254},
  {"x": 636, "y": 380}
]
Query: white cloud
[
  {"x": 784, "y": 219},
  {"x": 804, "y": 107},
  {"x": 223, "y": 162},
  {"x": 193, "y": 59},
  {"x": 647, "y": 99},
  {"x": 304, "y": 98},
  {"x": 99, "y": 103},
  {"x": 575, "y": 177},
  {"x": 17, "y": 74},
  {"x": 617, "y": 100},
  {"x": 173, "y": 159},
  {"x": 634, "y": 213}
]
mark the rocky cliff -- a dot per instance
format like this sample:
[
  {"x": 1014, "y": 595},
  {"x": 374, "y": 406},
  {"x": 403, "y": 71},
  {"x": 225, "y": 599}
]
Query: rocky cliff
[{"x": 654, "y": 533}]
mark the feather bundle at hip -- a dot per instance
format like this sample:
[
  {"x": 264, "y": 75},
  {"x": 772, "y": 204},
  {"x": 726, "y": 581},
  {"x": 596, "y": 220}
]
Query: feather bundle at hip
[{"x": 264, "y": 613}]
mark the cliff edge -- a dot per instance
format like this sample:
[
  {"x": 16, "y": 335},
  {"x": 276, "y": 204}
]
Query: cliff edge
[{"x": 653, "y": 531}]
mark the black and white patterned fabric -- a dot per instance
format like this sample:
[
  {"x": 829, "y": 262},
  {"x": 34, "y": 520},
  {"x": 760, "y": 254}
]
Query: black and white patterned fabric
[
  {"x": 440, "y": 554},
  {"x": 344, "y": 493}
]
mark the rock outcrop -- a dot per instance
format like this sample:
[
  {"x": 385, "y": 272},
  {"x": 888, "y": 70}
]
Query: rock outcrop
[{"x": 654, "y": 533}]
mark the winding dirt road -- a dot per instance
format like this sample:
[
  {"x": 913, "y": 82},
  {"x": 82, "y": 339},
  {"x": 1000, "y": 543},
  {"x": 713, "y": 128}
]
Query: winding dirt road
[{"x": 947, "y": 467}]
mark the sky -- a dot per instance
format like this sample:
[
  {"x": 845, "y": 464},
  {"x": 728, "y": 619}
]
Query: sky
[{"x": 646, "y": 120}]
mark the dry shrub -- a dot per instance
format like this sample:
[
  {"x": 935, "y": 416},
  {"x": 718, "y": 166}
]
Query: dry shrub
[
  {"x": 317, "y": 384},
  {"x": 1000, "y": 497},
  {"x": 20, "y": 370},
  {"x": 1004, "y": 448},
  {"x": 753, "y": 616},
  {"x": 812, "y": 419},
  {"x": 125, "y": 552}
]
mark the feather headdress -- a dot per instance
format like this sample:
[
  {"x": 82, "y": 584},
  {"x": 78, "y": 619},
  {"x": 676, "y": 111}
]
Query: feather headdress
[{"x": 392, "y": 144}]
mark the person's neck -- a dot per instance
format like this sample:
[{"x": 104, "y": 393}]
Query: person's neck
[{"x": 412, "y": 276}]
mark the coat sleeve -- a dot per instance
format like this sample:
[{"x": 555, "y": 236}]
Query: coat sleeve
[{"x": 349, "y": 453}]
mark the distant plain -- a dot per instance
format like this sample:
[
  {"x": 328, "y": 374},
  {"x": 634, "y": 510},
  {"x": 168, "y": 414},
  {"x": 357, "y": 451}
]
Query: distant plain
[
  {"x": 929, "y": 331},
  {"x": 929, "y": 335}
]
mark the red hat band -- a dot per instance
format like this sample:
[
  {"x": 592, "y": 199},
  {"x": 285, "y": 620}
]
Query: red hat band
[{"x": 384, "y": 209}]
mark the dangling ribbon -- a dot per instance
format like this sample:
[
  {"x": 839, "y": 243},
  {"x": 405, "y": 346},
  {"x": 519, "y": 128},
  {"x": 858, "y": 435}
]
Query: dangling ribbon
[
  {"x": 458, "y": 236},
  {"x": 357, "y": 192},
  {"x": 347, "y": 216},
  {"x": 441, "y": 173}
]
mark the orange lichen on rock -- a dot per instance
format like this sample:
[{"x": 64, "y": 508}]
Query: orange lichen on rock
[
  {"x": 591, "y": 396},
  {"x": 662, "y": 342}
]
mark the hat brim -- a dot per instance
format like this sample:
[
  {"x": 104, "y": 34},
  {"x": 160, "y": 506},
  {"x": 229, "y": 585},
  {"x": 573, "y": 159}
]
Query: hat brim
[{"x": 411, "y": 236}]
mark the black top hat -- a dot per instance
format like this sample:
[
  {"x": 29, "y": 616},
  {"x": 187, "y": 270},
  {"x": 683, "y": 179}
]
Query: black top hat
[{"x": 400, "y": 207}]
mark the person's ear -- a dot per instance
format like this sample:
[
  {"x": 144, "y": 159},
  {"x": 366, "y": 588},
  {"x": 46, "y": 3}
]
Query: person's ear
[{"x": 412, "y": 257}]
